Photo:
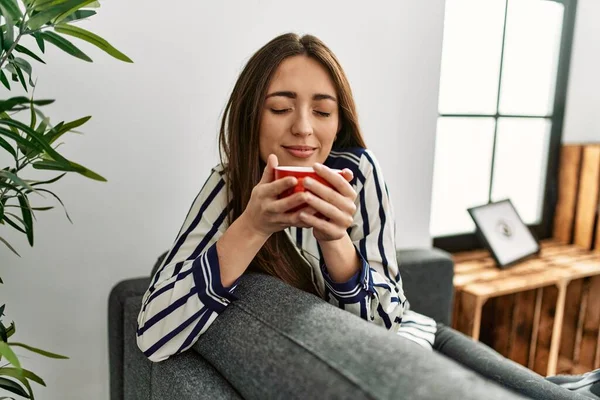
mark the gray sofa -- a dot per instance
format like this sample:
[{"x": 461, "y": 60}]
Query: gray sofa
[{"x": 258, "y": 349}]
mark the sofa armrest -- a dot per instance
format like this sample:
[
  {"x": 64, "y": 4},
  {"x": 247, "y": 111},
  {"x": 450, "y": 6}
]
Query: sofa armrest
[
  {"x": 427, "y": 276},
  {"x": 119, "y": 295},
  {"x": 133, "y": 376},
  {"x": 189, "y": 376}
]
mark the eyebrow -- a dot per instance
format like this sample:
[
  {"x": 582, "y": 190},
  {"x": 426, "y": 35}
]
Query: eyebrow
[{"x": 293, "y": 95}]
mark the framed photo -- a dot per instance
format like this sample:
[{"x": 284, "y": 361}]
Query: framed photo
[{"x": 503, "y": 232}]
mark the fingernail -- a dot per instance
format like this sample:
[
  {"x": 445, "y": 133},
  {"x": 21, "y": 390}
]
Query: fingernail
[
  {"x": 318, "y": 165},
  {"x": 307, "y": 181}
]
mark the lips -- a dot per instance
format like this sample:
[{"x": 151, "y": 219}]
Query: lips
[
  {"x": 300, "y": 151},
  {"x": 301, "y": 148}
]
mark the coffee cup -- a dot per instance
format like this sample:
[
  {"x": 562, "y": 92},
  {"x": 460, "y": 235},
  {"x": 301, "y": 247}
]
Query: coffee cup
[{"x": 300, "y": 173}]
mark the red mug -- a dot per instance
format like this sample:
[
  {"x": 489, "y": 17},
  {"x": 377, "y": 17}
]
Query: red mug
[{"x": 300, "y": 173}]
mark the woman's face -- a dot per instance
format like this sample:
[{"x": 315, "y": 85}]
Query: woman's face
[{"x": 299, "y": 117}]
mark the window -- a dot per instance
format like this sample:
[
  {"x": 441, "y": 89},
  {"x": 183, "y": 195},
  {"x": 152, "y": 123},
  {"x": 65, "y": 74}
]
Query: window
[{"x": 501, "y": 104}]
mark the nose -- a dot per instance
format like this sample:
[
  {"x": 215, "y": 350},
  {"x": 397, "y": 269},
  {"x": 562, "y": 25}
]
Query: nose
[{"x": 302, "y": 125}]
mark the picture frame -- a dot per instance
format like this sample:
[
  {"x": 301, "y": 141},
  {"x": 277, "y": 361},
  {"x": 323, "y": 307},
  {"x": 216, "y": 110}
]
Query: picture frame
[{"x": 503, "y": 232}]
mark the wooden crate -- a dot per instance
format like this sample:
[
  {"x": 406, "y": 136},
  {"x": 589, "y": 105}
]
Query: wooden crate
[{"x": 543, "y": 313}]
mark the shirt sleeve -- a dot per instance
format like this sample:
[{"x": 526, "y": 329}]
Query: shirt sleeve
[
  {"x": 375, "y": 292},
  {"x": 186, "y": 294}
]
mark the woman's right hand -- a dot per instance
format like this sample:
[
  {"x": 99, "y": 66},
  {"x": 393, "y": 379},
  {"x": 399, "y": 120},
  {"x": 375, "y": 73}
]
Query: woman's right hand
[{"x": 265, "y": 212}]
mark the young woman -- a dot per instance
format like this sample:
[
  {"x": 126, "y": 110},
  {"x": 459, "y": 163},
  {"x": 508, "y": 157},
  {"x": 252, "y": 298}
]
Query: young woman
[{"x": 292, "y": 105}]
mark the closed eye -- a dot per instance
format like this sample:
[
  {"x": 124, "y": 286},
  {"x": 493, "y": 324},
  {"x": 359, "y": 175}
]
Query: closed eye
[{"x": 283, "y": 111}]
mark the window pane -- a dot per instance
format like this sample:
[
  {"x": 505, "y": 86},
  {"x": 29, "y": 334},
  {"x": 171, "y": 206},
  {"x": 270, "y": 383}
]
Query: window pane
[
  {"x": 520, "y": 164},
  {"x": 461, "y": 176},
  {"x": 471, "y": 56},
  {"x": 531, "y": 50}
]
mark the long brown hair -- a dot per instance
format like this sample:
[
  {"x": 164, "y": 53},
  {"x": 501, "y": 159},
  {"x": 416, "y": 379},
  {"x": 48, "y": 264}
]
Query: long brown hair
[{"x": 239, "y": 142}]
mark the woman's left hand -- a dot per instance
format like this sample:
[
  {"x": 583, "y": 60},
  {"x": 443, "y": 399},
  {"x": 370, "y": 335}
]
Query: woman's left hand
[{"x": 335, "y": 205}]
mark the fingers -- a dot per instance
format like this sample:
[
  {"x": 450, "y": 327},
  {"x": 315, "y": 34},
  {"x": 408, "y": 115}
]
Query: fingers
[
  {"x": 340, "y": 215},
  {"x": 339, "y": 182},
  {"x": 348, "y": 174},
  {"x": 288, "y": 203},
  {"x": 269, "y": 171},
  {"x": 293, "y": 219},
  {"x": 344, "y": 203}
]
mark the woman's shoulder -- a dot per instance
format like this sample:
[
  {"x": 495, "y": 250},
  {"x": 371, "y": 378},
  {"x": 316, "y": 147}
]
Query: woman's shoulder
[{"x": 357, "y": 159}]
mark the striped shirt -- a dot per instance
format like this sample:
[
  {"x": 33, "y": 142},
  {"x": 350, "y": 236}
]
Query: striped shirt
[{"x": 186, "y": 294}]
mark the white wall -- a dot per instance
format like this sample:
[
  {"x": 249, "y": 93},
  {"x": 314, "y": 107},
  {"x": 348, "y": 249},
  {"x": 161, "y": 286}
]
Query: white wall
[
  {"x": 153, "y": 136},
  {"x": 582, "y": 124}
]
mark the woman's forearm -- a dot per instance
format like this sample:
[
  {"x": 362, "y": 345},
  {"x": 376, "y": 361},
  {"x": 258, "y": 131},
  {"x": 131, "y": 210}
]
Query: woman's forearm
[
  {"x": 237, "y": 248},
  {"x": 341, "y": 259}
]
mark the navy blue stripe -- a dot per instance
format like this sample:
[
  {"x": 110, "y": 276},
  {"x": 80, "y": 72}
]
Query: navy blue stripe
[
  {"x": 164, "y": 313},
  {"x": 363, "y": 309},
  {"x": 209, "y": 235},
  {"x": 299, "y": 237},
  {"x": 384, "y": 316},
  {"x": 382, "y": 217},
  {"x": 195, "y": 254},
  {"x": 196, "y": 220},
  {"x": 159, "y": 270},
  {"x": 203, "y": 288},
  {"x": 199, "y": 325},
  {"x": 165, "y": 339},
  {"x": 167, "y": 287},
  {"x": 192, "y": 226},
  {"x": 365, "y": 217}
]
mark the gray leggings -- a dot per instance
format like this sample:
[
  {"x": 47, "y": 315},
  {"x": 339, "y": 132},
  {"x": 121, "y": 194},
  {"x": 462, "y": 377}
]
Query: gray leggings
[{"x": 492, "y": 365}]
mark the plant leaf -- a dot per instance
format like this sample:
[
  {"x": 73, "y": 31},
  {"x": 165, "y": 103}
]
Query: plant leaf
[
  {"x": 61, "y": 128},
  {"x": 3, "y": 335},
  {"x": 37, "y": 138},
  {"x": 3, "y": 78},
  {"x": 25, "y": 66},
  {"x": 11, "y": 8},
  {"x": 25, "y": 50},
  {"x": 13, "y": 387},
  {"x": 6, "y": 146},
  {"x": 19, "y": 374},
  {"x": 64, "y": 45},
  {"x": 92, "y": 38},
  {"x": 20, "y": 75},
  {"x": 11, "y": 357},
  {"x": 55, "y": 12},
  {"x": 22, "y": 142},
  {"x": 74, "y": 167},
  {"x": 9, "y": 247},
  {"x": 59, "y": 200},
  {"x": 14, "y": 224},
  {"x": 9, "y": 105},
  {"x": 11, "y": 330},
  {"x": 38, "y": 351},
  {"x": 79, "y": 15},
  {"x": 16, "y": 179},
  {"x": 40, "y": 41},
  {"x": 49, "y": 181},
  {"x": 14, "y": 372},
  {"x": 27, "y": 217}
]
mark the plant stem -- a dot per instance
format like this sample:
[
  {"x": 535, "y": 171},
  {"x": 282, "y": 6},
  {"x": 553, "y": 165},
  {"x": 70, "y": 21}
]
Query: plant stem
[{"x": 10, "y": 50}]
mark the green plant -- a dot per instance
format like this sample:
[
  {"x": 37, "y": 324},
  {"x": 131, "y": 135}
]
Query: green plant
[{"x": 28, "y": 137}]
